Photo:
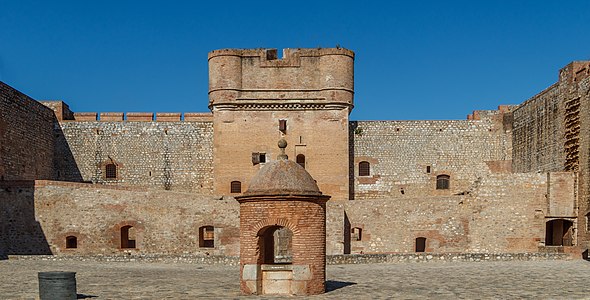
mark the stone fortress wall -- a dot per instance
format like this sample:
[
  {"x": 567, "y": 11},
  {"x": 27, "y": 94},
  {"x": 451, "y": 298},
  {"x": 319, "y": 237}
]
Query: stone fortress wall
[
  {"x": 26, "y": 137},
  {"x": 166, "y": 153},
  {"x": 511, "y": 172},
  {"x": 551, "y": 133},
  {"x": 504, "y": 213},
  {"x": 406, "y": 157}
]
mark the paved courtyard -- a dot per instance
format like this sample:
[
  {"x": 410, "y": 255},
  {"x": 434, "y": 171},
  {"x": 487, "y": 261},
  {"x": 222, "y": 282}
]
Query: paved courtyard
[{"x": 459, "y": 280}]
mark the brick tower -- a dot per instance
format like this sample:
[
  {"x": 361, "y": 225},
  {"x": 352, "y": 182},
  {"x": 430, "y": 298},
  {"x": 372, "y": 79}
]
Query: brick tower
[
  {"x": 282, "y": 231},
  {"x": 257, "y": 98}
]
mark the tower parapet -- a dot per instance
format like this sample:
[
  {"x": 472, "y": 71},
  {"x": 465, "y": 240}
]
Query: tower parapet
[{"x": 301, "y": 79}]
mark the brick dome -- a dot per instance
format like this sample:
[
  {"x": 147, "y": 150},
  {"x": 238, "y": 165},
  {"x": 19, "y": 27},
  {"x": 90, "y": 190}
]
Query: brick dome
[{"x": 283, "y": 177}]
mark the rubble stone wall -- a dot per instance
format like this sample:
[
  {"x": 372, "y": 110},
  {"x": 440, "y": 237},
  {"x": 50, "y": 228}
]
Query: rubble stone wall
[
  {"x": 406, "y": 157},
  {"x": 160, "y": 155}
]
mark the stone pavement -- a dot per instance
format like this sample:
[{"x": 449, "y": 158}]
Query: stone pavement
[{"x": 433, "y": 280}]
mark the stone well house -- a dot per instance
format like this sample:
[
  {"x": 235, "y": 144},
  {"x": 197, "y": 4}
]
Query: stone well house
[{"x": 511, "y": 180}]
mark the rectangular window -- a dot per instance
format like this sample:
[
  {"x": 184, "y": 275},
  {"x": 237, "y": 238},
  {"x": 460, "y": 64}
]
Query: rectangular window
[
  {"x": 255, "y": 158},
  {"x": 283, "y": 125},
  {"x": 258, "y": 158}
]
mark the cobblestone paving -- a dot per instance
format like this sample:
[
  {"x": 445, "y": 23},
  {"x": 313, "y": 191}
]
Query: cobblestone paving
[{"x": 460, "y": 280}]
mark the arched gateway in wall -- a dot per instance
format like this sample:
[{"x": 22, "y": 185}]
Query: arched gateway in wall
[{"x": 282, "y": 231}]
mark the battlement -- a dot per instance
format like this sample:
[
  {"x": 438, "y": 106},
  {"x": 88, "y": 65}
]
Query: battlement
[
  {"x": 486, "y": 114},
  {"x": 575, "y": 71},
  {"x": 291, "y": 57},
  {"x": 255, "y": 78},
  {"x": 141, "y": 117}
]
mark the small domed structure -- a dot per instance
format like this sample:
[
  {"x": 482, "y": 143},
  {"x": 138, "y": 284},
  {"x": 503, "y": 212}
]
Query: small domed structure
[
  {"x": 283, "y": 177},
  {"x": 283, "y": 231}
]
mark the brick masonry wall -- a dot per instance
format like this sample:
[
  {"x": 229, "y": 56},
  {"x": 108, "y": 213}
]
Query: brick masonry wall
[
  {"x": 160, "y": 155},
  {"x": 401, "y": 152},
  {"x": 238, "y": 134},
  {"x": 307, "y": 222},
  {"x": 37, "y": 220},
  {"x": 26, "y": 137}
]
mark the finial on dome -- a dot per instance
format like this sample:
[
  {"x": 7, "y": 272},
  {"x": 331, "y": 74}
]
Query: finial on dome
[{"x": 282, "y": 145}]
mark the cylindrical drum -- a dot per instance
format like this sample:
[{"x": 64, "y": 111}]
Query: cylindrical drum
[{"x": 57, "y": 285}]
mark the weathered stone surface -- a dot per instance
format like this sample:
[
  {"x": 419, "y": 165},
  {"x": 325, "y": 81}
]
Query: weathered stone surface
[{"x": 511, "y": 171}]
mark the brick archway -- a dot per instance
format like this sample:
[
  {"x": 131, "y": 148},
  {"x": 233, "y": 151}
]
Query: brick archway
[
  {"x": 282, "y": 222},
  {"x": 116, "y": 235}
]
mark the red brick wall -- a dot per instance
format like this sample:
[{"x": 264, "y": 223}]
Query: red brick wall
[{"x": 307, "y": 221}]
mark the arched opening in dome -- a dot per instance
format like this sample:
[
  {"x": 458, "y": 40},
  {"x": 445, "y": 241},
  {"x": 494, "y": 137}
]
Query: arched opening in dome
[{"x": 275, "y": 245}]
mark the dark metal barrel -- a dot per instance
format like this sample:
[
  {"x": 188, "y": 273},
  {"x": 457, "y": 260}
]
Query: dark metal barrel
[{"x": 57, "y": 285}]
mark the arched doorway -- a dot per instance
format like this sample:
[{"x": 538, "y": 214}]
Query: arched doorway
[
  {"x": 559, "y": 232},
  {"x": 275, "y": 245}
]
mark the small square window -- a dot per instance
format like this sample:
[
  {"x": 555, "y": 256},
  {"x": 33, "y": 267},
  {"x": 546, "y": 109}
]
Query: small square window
[
  {"x": 258, "y": 158},
  {"x": 236, "y": 187}
]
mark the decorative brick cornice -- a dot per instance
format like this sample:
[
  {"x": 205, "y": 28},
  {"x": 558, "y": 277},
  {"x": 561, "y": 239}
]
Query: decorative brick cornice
[{"x": 280, "y": 106}]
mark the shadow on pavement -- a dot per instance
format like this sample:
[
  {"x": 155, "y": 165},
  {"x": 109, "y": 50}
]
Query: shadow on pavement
[{"x": 332, "y": 285}]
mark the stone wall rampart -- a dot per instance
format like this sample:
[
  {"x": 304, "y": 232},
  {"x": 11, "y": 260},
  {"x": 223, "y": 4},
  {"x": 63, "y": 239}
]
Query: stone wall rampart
[
  {"x": 538, "y": 134},
  {"x": 502, "y": 213},
  {"x": 26, "y": 137},
  {"x": 169, "y": 155},
  {"x": 38, "y": 219},
  {"x": 406, "y": 157}
]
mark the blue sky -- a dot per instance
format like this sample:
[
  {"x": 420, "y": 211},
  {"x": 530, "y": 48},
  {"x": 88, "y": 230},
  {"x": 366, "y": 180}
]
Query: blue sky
[{"x": 414, "y": 59}]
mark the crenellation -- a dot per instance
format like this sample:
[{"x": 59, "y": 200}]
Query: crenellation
[
  {"x": 139, "y": 117},
  {"x": 85, "y": 116},
  {"x": 168, "y": 117},
  {"x": 111, "y": 116}
]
